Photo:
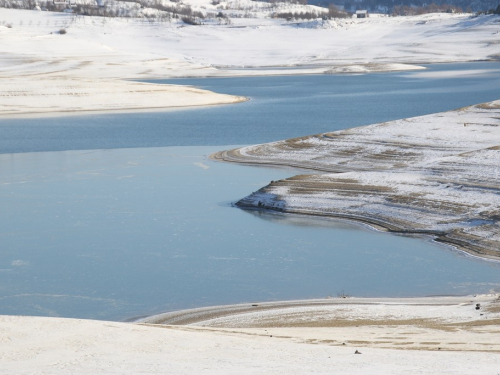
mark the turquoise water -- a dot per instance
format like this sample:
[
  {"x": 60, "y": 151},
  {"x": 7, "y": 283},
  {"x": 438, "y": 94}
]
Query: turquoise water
[{"x": 122, "y": 232}]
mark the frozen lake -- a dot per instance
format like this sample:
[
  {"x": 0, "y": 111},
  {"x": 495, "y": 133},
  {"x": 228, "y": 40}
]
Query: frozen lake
[{"x": 136, "y": 229}]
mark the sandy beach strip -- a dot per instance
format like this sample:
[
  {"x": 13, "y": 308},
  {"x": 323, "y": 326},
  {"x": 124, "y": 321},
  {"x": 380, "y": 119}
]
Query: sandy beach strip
[{"x": 434, "y": 335}]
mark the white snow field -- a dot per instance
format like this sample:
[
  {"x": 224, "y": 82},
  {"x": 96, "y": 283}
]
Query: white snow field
[
  {"x": 87, "y": 68},
  {"x": 400, "y": 336}
]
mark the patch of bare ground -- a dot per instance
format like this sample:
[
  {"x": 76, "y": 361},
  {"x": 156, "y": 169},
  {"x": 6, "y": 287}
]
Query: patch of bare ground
[
  {"x": 491, "y": 105},
  {"x": 494, "y": 307}
]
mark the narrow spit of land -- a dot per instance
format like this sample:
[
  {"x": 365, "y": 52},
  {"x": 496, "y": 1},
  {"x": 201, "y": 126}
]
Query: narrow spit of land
[
  {"x": 468, "y": 323},
  {"x": 436, "y": 175}
]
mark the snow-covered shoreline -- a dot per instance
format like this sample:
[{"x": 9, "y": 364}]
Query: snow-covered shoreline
[
  {"x": 434, "y": 335},
  {"x": 435, "y": 175},
  {"x": 90, "y": 67}
]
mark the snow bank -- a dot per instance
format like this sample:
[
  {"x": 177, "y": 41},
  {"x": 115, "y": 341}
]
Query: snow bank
[{"x": 467, "y": 345}]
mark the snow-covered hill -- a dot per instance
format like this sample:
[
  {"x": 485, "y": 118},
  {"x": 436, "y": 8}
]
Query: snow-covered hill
[{"x": 73, "y": 50}]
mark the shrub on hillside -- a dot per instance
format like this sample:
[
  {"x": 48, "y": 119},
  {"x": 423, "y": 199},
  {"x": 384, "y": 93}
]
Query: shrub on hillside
[
  {"x": 405, "y": 10},
  {"x": 189, "y": 20},
  {"x": 298, "y": 15},
  {"x": 334, "y": 12}
]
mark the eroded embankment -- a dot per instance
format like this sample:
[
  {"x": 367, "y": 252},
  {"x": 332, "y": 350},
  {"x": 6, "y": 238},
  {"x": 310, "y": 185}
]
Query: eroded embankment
[{"x": 437, "y": 175}]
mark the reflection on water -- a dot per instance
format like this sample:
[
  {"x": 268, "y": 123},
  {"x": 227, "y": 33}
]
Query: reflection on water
[
  {"x": 112, "y": 234},
  {"x": 305, "y": 220}
]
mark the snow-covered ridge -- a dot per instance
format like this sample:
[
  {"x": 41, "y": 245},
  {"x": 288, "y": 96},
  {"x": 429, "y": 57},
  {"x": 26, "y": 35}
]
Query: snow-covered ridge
[
  {"x": 166, "y": 9},
  {"x": 437, "y": 175}
]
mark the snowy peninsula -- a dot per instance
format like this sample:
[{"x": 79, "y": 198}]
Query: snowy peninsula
[{"x": 436, "y": 175}]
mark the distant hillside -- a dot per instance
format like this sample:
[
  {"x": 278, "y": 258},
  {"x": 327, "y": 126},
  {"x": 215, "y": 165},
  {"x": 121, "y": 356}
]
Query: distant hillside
[{"x": 386, "y": 6}]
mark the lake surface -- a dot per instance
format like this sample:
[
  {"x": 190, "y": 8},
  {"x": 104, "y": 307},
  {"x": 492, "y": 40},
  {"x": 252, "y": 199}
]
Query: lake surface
[
  {"x": 113, "y": 234},
  {"x": 280, "y": 107}
]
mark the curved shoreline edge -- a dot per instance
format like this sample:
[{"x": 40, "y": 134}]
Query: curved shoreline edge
[
  {"x": 203, "y": 315},
  {"x": 78, "y": 96},
  {"x": 448, "y": 323},
  {"x": 432, "y": 335},
  {"x": 83, "y": 112},
  {"x": 434, "y": 175},
  {"x": 126, "y": 95}
]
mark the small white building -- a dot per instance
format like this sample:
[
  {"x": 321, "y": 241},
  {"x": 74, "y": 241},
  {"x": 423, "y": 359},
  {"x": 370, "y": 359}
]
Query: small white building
[
  {"x": 64, "y": 3},
  {"x": 362, "y": 14}
]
